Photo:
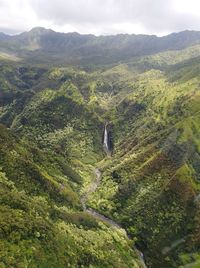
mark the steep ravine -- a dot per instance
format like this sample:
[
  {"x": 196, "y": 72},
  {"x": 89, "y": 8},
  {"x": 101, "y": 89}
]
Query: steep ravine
[{"x": 92, "y": 188}]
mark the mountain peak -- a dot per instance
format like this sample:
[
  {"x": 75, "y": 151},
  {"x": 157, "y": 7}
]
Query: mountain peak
[
  {"x": 39, "y": 30},
  {"x": 3, "y": 36}
]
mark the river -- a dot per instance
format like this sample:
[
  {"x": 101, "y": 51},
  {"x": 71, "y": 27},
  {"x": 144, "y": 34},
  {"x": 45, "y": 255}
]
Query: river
[{"x": 92, "y": 188}]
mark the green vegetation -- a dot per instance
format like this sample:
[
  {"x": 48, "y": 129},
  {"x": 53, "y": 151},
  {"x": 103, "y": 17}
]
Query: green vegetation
[
  {"x": 151, "y": 181},
  {"x": 41, "y": 223},
  {"x": 56, "y": 117}
]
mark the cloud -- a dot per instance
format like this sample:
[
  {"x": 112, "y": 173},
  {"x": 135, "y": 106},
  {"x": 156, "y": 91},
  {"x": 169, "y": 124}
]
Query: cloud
[
  {"x": 16, "y": 15},
  {"x": 101, "y": 16},
  {"x": 106, "y": 13}
]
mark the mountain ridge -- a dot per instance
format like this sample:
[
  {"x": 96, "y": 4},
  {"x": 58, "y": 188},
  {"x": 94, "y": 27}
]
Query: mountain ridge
[
  {"x": 56, "y": 115},
  {"x": 41, "y": 45},
  {"x": 44, "y": 29}
]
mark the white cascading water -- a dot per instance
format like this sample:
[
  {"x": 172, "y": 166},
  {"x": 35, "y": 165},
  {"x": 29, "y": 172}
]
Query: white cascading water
[{"x": 105, "y": 140}]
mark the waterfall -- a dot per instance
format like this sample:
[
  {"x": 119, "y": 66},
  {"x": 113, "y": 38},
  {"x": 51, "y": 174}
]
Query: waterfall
[{"x": 105, "y": 140}]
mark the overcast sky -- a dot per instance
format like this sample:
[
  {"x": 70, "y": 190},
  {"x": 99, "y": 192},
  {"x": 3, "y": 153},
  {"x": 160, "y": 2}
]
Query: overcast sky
[{"x": 100, "y": 16}]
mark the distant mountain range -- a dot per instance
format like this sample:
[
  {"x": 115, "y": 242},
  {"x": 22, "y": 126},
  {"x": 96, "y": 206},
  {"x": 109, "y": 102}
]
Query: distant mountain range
[
  {"x": 57, "y": 93},
  {"x": 42, "y": 45}
]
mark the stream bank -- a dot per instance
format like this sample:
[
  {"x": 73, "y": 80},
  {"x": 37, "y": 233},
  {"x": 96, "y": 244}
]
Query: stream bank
[{"x": 92, "y": 188}]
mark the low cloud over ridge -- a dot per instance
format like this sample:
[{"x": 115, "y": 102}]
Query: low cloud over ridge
[{"x": 100, "y": 16}]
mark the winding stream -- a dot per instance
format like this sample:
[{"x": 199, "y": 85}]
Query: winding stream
[{"x": 92, "y": 188}]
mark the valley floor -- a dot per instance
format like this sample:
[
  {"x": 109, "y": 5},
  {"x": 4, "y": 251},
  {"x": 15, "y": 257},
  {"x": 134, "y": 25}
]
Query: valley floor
[{"x": 91, "y": 189}]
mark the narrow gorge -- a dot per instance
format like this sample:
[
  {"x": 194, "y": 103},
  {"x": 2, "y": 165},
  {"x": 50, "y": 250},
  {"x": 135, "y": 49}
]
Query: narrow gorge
[
  {"x": 92, "y": 188},
  {"x": 99, "y": 150}
]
